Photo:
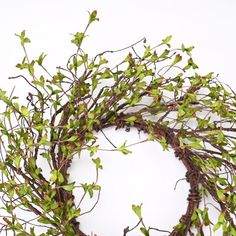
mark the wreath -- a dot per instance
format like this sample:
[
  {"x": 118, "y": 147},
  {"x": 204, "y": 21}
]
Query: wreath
[{"x": 155, "y": 90}]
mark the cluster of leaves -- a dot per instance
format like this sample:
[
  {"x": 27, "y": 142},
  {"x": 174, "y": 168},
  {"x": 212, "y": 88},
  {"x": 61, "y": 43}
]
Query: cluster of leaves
[{"x": 157, "y": 91}]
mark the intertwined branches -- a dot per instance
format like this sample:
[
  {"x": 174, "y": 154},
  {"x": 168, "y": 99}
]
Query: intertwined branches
[{"x": 154, "y": 89}]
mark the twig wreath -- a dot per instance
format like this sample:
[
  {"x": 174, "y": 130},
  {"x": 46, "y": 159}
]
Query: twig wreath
[{"x": 158, "y": 92}]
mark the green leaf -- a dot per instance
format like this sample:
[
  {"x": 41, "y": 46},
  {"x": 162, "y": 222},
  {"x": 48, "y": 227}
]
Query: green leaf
[
  {"x": 11, "y": 192},
  {"x": 232, "y": 230},
  {"x": 187, "y": 50},
  {"x": 194, "y": 66},
  {"x": 196, "y": 145},
  {"x": 154, "y": 57},
  {"x": 190, "y": 64},
  {"x": 167, "y": 39},
  {"x": 72, "y": 213},
  {"x": 44, "y": 141},
  {"x": 181, "y": 111},
  {"x": 90, "y": 191},
  {"x": 147, "y": 52},
  {"x": 93, "y": 149},
  {"x": 17, "y": 161},
  {"x": 78, "y": 38},
  {"x": 31, "y": 68},
  {"x": 216, "y": 226},
  {"x": 205, "y": 217},
  {"x": 144, "y": 231},
  {"x": 195, "y": 217},
  {"x": 137, "y": 210},
  {"x": 97, "y": 162},
  {"x": 68, "y": 187},
  {"x": 163, "y": 143},
  {"x": 23, "y": 39},
  {"x": 27, "y": 40},
  {"x": 107, "y": 74},
  {"x": 177, "y": 59},
  {"x": 44, "y": 220},
  {"x": 41, "y": 58},
  {"x": 25, "y": 112},
  {"x": 130, "y": 120},
  {"x": 2, "y": 94},
  {"x": 123, "y": 149},
  {"x": 96, "y": 187},
  {"x": 93, "y": 17},
  {"x": 3, "y": 97},
  {"x": 102, "y": 61},
  {"x": 53, "y": 177},
  {"x": 60, "y": 177},
  {"x": 221, "y": 218},
  {"x": 151, "y": 137},
  {"x": 56, "y": 176},
  {"x": 165, "y": 54},
  {"x": 180, "y": 227},
  {"x": 220, "y": 194},
  {"x": 169, "y": 87},
  {"x": 72, "y": 138},
  {"x": 22, "y": 35},
  {"x": 134, "y": 100}
]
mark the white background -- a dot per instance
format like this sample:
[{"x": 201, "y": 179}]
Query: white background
[{"x": 148, "y": 175}]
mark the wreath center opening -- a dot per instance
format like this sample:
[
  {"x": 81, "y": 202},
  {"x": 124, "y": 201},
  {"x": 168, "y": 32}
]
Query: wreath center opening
[{"x": 146, "y": 175}]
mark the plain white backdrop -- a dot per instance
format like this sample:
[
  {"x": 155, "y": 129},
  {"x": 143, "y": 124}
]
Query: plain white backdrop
[{"x": 148, "y": 175}]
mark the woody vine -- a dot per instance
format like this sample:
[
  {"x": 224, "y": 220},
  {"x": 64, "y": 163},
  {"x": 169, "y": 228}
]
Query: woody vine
[{"x": 157, "y": 91}]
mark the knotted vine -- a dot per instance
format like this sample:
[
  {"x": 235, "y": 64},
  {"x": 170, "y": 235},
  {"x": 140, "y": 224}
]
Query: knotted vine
[{"x": 154, "y": 89}]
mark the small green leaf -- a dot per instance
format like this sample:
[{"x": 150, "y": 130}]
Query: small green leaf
[
  {"x": 93, "y": 149},
  {"x": 93, "y": 16},
  {"x": 163, "y": 143},
  {"x": 216, "y": 226},
  {"x": 181, "y": 111},
  {"x": 44, "y": 141},
  {"x": 96, "y": 187},
  {"x": 144, "y": 231},
  {"x": 60, "y": 177},
  {"x": 220, "y": 194},
  {"x": 41, "y": 58},
  {"x": 17, "y": 161},
  {"x": 23, "y": 39},
  {"x": 53, "y": 177},
  {"x": 25, "y": 111},
  {"x": 97, "y": 162},
  {"x": 27, "y": 40},
  {"x": 147, "y": 52},
  {"x": 165, "y": 54},
  {"x": 137, "y": 210},
  {"x": 180, "y": 227},
  {"x": 123, "y": 149},
  {"x": 187, "y": 50},
  {"x": 151, "y": 137},
  {"x": 3, "y": 97},
  {"x": 78, "y": 38},
  {"x": 130, "y": 120},
  {"x": 44, "y": 220},
  {"x": 56, "y": 176},
  {"x": 190, "y": 64},
  {"x": 72, "y": 138},
  {"x": 196, "y": 145},
  {"x": 68, "y": 187},
  {"x": 177, "y": 59},
  {"x": 167, "y": 39},
  {"x": 205, "y": 217}
]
